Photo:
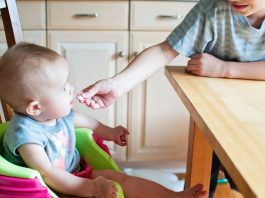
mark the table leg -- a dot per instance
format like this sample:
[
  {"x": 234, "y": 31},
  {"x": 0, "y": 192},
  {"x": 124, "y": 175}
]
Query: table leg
[{"x": 199, "y": 159}]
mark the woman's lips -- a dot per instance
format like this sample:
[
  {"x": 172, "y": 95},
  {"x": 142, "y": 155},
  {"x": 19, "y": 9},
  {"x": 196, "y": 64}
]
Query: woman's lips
[{"x": 239, "y": 7}]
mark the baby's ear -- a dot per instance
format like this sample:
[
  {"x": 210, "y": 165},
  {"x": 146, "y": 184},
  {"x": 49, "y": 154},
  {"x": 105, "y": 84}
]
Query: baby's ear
[{"x": 33, "y": 108}]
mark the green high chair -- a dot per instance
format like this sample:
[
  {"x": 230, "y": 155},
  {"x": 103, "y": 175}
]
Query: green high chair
[{"x": 15, "y": 180}]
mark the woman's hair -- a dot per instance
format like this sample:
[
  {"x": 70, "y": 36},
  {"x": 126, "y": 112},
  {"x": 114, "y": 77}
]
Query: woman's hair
[{"x": 22, "y": 70}]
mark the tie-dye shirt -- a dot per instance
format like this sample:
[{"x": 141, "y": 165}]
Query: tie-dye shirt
[{"x": 58, "y": 141}]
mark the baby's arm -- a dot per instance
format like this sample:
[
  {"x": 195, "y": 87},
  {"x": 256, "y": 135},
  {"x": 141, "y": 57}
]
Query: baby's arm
[
  {"x": 117, "y": 134},
  {"x": 36, "y": 158},
  {"x": 208, "y": 65}
]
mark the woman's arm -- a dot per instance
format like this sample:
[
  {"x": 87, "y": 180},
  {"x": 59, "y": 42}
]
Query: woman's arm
[
  {"x": 105, "y": 92},
  {"x": 208, "y": 65},
  {"x": 145, "y": 64},
  {"x": 246, "y": 70},
  {"x": 36, "y": 158}
]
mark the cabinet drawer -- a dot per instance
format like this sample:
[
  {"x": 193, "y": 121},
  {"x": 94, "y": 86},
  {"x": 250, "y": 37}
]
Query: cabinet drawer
[
  {"x": 157, "y": 15},
  {"x": 29, "y": 10},
  {"x": 88, "y": 15}
]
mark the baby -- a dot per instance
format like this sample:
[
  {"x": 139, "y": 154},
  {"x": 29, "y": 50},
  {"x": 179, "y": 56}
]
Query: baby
[{"x": 33, "y": 81}]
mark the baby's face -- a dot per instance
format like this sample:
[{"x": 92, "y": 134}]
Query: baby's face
[
  {"x": 59, "y": 95},
  {"x": 249, "y": 7}
]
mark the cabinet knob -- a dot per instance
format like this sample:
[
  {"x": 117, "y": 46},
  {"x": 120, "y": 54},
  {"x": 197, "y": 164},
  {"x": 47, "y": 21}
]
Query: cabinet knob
[{"x": 122, "y": 54}]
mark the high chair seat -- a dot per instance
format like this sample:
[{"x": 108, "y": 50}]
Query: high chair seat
[{"x": 17, "y": 181}]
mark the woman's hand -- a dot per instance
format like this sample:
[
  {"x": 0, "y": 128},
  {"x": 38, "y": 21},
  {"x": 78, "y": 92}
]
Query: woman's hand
[
  {"x": 101, "y": 94},
  {"x": 104, "y": 188},
  {"x": 120, "y": 135},
  {"x": 206, "y": 65}
]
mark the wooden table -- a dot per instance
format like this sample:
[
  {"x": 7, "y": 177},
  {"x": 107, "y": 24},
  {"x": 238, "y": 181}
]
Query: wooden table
[{"x": 227, "y": 116}]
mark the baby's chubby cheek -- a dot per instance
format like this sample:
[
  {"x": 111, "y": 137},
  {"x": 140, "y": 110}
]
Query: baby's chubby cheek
[{"x": 58, "y": 113}]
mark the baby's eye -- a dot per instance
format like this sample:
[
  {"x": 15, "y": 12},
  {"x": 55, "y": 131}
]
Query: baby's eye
[{"x": 64, "y": 89}]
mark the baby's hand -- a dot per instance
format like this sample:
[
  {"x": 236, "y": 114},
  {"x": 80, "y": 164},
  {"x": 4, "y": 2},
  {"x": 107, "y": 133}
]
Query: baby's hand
[
  {"x": 120, "y": 135},
  {"x": 104, "y": 188}
]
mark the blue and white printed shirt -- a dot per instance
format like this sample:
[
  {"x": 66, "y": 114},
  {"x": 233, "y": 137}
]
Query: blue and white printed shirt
[
  {"x": 58, "y": 141},
  {"x": 213, "y": 27}
]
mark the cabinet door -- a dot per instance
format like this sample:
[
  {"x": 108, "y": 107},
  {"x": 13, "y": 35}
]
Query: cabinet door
[
  {"x": 31, "y": 14},
  {"x": 31, "y": 36},
  {"x": 94, "y": 55},
  {"x": 158, "y": 121}
]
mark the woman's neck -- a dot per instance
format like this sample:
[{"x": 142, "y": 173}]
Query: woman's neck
[
  {"x": 256, "y": 19},
  {"x": 254, "y": 22}
]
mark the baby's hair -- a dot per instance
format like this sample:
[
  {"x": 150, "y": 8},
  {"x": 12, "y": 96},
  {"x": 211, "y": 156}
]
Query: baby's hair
[{"x": 21, "y": 68}]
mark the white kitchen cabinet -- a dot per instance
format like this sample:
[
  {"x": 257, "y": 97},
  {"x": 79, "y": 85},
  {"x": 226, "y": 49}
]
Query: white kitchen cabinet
[
  {"x": 32, "y": 14},
  {"x": 157, "y": 119},
  {"x": 157, "y": 131},
  {"x": 31, "y": 36},
  {"x": 34, "y": 31}
]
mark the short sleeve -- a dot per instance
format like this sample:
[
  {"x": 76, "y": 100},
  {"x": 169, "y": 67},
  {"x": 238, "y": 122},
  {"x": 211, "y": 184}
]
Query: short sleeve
[
  {"x": 195, "y": 32},
  {"x": 17, "y": 134},
  {"x": 24, "y": 135}
]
